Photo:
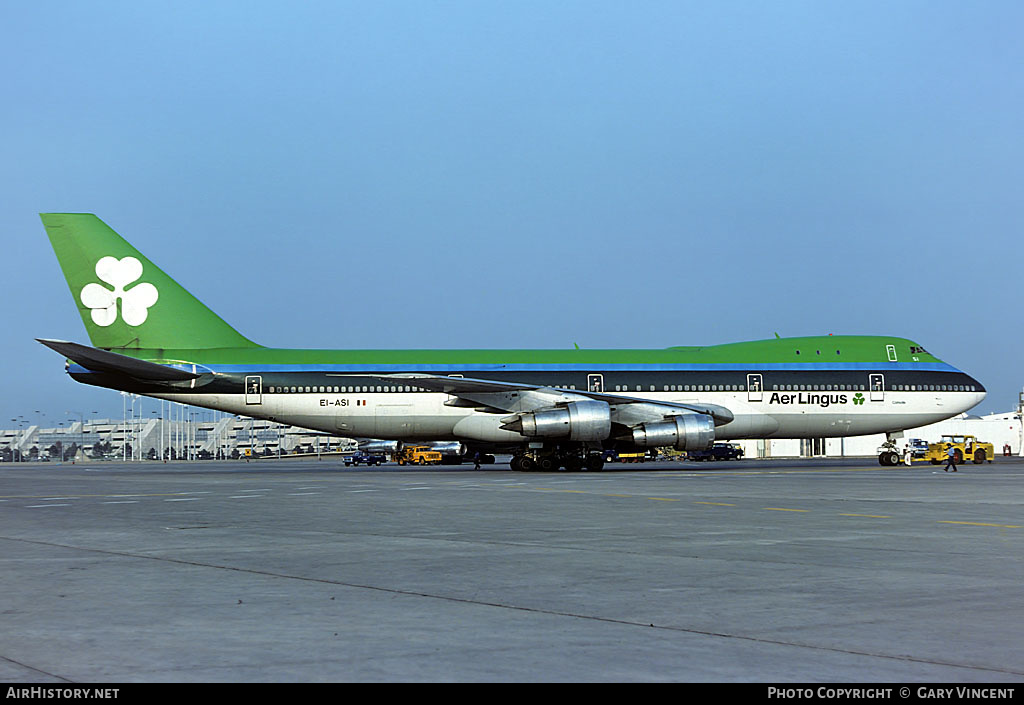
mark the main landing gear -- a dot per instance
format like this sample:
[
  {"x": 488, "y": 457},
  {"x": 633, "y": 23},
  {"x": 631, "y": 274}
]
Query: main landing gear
[{"x": 551, "y": 459}]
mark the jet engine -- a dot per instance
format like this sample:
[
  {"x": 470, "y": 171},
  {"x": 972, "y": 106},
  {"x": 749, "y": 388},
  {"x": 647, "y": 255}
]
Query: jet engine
[
  {"x": 683, "y": 432},
  {"x": 453, "y": 448},
  {"x": 584, "y": 420}
]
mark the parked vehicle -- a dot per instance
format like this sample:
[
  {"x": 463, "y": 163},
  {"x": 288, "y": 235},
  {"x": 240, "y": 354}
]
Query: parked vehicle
[
  {"x": 612, "y": 456},
  {"x": 718, "y": 451},
  {"x": 918, "y": 447},
  {"x": 418, "y": 455},
  {"x": 364, "y": 458},
  {"x": 968, "y": 447}
]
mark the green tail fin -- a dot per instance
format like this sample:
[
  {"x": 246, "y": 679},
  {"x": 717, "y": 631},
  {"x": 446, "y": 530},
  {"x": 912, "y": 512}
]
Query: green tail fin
[{"x": 125, "y": 300}]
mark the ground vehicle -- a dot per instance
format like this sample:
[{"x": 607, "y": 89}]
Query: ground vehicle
[
  {"x": 365, "y": 458},
  {"x": 918, "y": 447},
  {"x": 718, "y": 451},
  {"x": 418, "y": 455},
  {"x": 611, "y": 456},
  {"x": 964, "y": 447}
]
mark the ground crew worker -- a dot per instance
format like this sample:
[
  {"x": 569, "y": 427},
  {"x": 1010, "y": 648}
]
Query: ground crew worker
[
  {"x": 950, "y": 457},
  {"x": 908, "y": 455}
]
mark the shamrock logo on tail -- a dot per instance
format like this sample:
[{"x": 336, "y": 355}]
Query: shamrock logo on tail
[{"x": 135, "y": 302}]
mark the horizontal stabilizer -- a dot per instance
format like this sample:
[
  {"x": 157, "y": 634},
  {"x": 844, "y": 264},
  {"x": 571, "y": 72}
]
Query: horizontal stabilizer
[{"x": 104, "y": 361}]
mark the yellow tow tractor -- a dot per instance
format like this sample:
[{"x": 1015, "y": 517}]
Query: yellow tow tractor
[
  {"x": 631, "y": 457},
  {"x": 963, "y": 447},
  {"x": 418, "y": 455}
]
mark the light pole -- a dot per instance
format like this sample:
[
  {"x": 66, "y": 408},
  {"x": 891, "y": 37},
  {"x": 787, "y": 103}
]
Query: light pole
[
  {"x": 21, "y": 436},
  {"x": 124, "y": 427},
  {"x": 81, "y": 431}
]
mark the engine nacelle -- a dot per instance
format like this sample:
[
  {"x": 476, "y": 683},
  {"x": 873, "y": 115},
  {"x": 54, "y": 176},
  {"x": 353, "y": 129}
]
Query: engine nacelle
[
  {"x": 378, "y": 446},
  {"x": 683, "y": 432},
  {"x": 584, "y": 420},
  {"x": 448, "y": 447}
]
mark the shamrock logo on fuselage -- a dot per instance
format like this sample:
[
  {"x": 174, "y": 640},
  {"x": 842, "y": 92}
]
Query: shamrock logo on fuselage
[
  {"x": 135, "y": 302},
  {"x": 858, "y": 398}
]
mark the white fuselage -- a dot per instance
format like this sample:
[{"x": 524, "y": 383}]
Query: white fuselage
[{"x": 404, "y": 415}]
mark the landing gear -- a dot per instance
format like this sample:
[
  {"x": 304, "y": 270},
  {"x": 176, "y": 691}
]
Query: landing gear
[
  {"x": 574, "y": 464},
  {"x": 889, "y": 457},
  {"x": 551, "y": 459},
  {"x": 888, "y": 454},
  {"x": 523, "y": 463}
]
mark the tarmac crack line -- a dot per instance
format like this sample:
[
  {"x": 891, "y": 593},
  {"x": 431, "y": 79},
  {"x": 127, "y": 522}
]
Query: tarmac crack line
[
  {"x": 517, "y": 608},
  {"x": 34, "y": 669}
]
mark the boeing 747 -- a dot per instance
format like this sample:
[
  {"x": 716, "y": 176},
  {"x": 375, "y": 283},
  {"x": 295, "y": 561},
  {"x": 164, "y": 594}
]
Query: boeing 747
[{"x": 549, "y": 408}]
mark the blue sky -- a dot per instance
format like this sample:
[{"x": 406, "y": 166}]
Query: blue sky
[{"x": 524, "y": 174}]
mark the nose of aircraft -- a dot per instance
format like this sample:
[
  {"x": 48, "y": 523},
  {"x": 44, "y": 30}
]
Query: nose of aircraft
[{"x": 975, "y": 396}]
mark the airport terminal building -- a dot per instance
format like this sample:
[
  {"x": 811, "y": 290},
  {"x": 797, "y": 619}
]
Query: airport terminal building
[{"x": 198, "y": 436}]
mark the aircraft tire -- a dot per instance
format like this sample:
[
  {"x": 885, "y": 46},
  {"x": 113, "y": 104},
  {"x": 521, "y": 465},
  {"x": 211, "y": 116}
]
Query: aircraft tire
[{"x": 573, "y": 464}]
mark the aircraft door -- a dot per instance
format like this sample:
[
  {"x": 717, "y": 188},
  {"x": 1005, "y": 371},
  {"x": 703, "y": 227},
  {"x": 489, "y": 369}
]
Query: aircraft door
[
  {"x": 876, "y": 383},
  {"x": 595, "y": 383},
  {"x": 254, "y": 389},
  {"x": 755, "y": 388}
]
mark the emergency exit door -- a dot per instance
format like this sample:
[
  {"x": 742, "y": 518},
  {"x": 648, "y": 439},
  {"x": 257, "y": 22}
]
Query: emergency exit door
[
  {"x": 876, "y": 383},
  {"x": 755, "y": 388},
  {"x": 254, "y": 390}
]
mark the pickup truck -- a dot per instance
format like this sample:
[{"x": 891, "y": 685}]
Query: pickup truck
[
  {"x": 918, "y": 447},
  {"x": 365, "y": 458},
  {"x": 719, "y": 451}
]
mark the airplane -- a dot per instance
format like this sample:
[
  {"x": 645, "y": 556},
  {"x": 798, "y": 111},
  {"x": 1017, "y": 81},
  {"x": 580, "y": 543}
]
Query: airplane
[{"x": 550, "y": 409}]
